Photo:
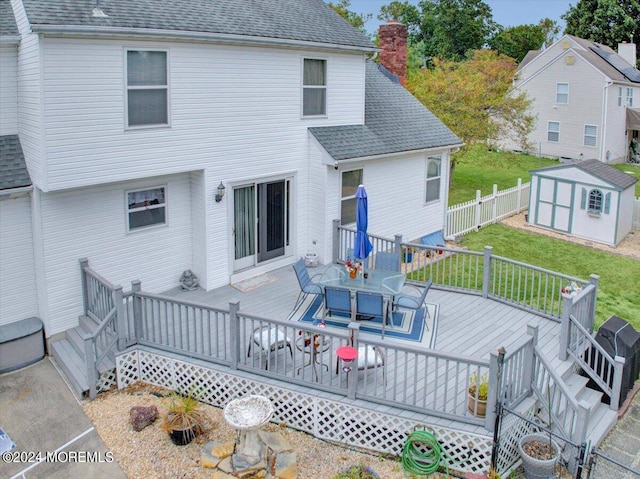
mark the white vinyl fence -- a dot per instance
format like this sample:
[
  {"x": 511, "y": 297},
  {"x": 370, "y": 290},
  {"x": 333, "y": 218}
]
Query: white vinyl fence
[
  {"x": 636, "y": 213},
  {"x": 472, "y": 215}
]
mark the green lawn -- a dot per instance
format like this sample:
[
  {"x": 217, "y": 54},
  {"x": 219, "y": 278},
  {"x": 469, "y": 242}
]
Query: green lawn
[
  {"x": 479, "y": 169},
  {"x": 619, "y": 287},
  {"x": 633, "y": 170}
]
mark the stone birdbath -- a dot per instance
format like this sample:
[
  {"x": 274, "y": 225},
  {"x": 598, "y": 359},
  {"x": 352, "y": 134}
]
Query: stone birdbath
[{"x": 246, "y": 415}]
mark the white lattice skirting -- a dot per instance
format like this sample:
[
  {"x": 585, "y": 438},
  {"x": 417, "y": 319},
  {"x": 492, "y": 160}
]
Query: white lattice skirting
[{"x": 327, "y": 419}]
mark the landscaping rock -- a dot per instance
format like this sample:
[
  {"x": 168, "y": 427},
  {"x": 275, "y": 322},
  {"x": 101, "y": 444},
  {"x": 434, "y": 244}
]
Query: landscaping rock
[
  {"x": 142, "y": 416},
  {"x": 275, "y": 441},
  {"x": 286, "y": 466}
]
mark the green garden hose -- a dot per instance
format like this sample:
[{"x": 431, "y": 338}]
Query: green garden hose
[{"x": 422, "y": 454}]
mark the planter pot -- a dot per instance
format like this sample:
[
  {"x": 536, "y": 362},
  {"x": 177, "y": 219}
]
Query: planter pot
[
  {"x": 538, "y": 468},
  {"x": 480, "y": 410},
  {"x": 353, "y": 274},
  {"x": 182, "y": 437}
]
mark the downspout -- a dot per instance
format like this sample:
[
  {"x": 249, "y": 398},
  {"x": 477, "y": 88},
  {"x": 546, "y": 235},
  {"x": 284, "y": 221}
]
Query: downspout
[{"x": 605, "y": 104}]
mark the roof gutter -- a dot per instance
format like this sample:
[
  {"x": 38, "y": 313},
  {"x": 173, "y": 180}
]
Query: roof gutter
[
  {"x": 11, "y": 193},
  {"x": 394, "y": 155},
  {"x": 185, "y": 35},
  {"x": 10, "y": 40}
]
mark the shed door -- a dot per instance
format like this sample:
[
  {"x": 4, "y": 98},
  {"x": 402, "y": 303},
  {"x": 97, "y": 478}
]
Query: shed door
[{"x": 555, "y": 201}]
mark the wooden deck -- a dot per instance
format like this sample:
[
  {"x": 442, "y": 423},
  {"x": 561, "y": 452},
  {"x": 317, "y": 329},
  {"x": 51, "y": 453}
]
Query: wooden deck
[{"x": 468, "y": 324}]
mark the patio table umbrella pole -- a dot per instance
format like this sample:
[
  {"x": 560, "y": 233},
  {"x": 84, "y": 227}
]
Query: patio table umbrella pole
[{"x": 362, "y": 246}]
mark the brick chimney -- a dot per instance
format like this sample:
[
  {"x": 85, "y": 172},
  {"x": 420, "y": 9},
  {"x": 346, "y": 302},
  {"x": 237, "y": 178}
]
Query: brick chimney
[
  {"x": 392, "y": 38},
  {"x": 628, "y": 52}
]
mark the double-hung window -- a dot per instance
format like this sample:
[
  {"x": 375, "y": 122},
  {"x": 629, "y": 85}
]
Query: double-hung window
[
  {"x": 630, "y": 97},
  {"x": 350, "y": 182},
  {"x": 147, "y": 88},
  {"x": 434, "y": 175},
  {"x": 553, "y": 131},
  {"x": 562, "y": 93},
  {"x": 314, "y": 87},
  {"x": 146, "y": 207},
  {"x": 625, "y": 97},
  {"x": 590, "y": 135}
]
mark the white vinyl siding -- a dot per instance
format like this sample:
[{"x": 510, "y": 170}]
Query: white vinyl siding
[
  {"x": 314, "y": 87},
  {"x": 553, "y": 131},
  {"x": 590, "y": 135},
  {"x": 8, "y": 90},
  {"x": 562, "y": 93},
  {"x": 147, "y": 81},
  {"x": 18, "y": 293},
  {"x": 228, "y": 104}
]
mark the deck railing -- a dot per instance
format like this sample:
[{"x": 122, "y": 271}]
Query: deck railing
[
  {"x": 521, "y": 285},
  {"x": 102, "y": 303}
]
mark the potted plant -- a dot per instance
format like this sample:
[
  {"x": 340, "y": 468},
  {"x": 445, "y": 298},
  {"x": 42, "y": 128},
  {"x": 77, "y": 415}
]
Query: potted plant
[
  {"x": 357, "y": 472},
  {"x": 539, "y": 452},
  {"x": 478, "y": 391},
  {"x": 185, "y": 419}
]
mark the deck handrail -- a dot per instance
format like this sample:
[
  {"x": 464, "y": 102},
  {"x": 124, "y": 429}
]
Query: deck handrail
[
  {"x": 596, "y": 362},
  {"x": 566, "y": 414}
]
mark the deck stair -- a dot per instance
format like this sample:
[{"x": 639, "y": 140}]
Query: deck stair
[
  {"x": 69, "y": 354},
  {"x": 601, "y": 418}
]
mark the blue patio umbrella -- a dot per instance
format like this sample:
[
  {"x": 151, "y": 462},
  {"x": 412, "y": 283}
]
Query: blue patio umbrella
[{"x": 362, "y": 246}]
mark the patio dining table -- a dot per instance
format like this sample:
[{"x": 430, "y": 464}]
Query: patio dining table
[{"x": 388, "y": 283}]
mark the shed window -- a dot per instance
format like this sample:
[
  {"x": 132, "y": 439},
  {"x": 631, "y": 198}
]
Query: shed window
[
  {"x": 553, "y": 131},
  {"x": 595, "y": 201},
  {"x": 146, "y": 208}
]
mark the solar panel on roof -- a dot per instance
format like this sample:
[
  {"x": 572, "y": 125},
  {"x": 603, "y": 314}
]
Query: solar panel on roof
[{"x": 618, "y": 63}]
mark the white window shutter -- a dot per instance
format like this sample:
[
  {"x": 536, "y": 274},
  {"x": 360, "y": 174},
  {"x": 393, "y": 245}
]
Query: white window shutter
[
  {"x": 583, "y": 203},
  {"x": 607, "y": 203}
]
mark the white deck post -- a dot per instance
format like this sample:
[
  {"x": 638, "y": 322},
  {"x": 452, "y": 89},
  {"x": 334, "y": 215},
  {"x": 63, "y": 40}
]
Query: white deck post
[
  {"x": 594, "y": 279},
  {"x": 335, "y": 251},
  {"x": 496, "y": 360},
  {"x": 352, "y": 375},
  {"x": 120, "y": 319},
  {"x": 397, "y": 248},
  {"x": 486, "y": 271},
  {"x": 136, "y": 287},
  {"x": 234, "y": 335},
  {"x": 84, "y": 263},
  {"x": 565, "y": 327},
  {"x": 616, "y": 387},
  {"x": 529, "y": 360}
]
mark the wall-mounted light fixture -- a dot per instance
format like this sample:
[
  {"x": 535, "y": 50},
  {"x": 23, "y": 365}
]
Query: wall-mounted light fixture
[
  {"x": 220, "y": 192},
  {"x": 581, "y": 156}
]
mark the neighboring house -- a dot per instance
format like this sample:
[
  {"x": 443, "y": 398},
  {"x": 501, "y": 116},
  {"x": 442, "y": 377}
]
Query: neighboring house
[
  {"x": 581, "y": 93},
  {"x": 132, "y": 116},
  {"x": 587, "y": 199}
]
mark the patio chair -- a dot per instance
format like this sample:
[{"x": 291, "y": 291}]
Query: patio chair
[
  {"x": 388, "y": 261},
  {"x": 369, "y": 357},
  {"x": 307, "y": 286},
  {"x": 269, "y": 339},
  {"x": 408, "y": 301},
  {"x": 336, "y": 299},
  {"x": 371, "y": 305}
]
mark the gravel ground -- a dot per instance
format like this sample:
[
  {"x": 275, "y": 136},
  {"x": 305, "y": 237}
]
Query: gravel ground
[
  {"x": 151, "y": 454},
  {"x": 629, "y": 246}
]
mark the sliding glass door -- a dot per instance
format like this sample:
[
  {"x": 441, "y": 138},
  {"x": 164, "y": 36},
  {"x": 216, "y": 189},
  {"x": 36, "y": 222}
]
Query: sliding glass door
[{"x": 261, "y": 222}]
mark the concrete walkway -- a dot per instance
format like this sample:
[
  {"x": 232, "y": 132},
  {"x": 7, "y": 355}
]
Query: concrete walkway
[
  {"x": 41, "y": 415},
  {"x": 623, "y": 444}
]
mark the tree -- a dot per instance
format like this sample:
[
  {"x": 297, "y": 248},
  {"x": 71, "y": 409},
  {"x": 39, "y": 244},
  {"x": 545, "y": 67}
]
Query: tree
[
  {"x": 475, "y": 98},
  {"x": 405, "y": 13},
  {"x": 604, "y": 21},
  {"x": 550, "y": 28},
  {"x": 357, "y": 20},
  {"x": 515, "y": 42}
]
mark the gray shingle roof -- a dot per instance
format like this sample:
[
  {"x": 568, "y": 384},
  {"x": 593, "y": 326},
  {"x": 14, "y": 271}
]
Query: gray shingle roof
[
  {"x": 395, "y": 121},
  {"x": 600, "y": 170},
  {"x": 297, "y": 20},
  {"x": 8, "y": 25},
  {"x": 600, "y": 56},
  {"x": 13, "y": 169}
]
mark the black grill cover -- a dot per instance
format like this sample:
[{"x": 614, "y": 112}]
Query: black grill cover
[{"x": 618, "y": 338}]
